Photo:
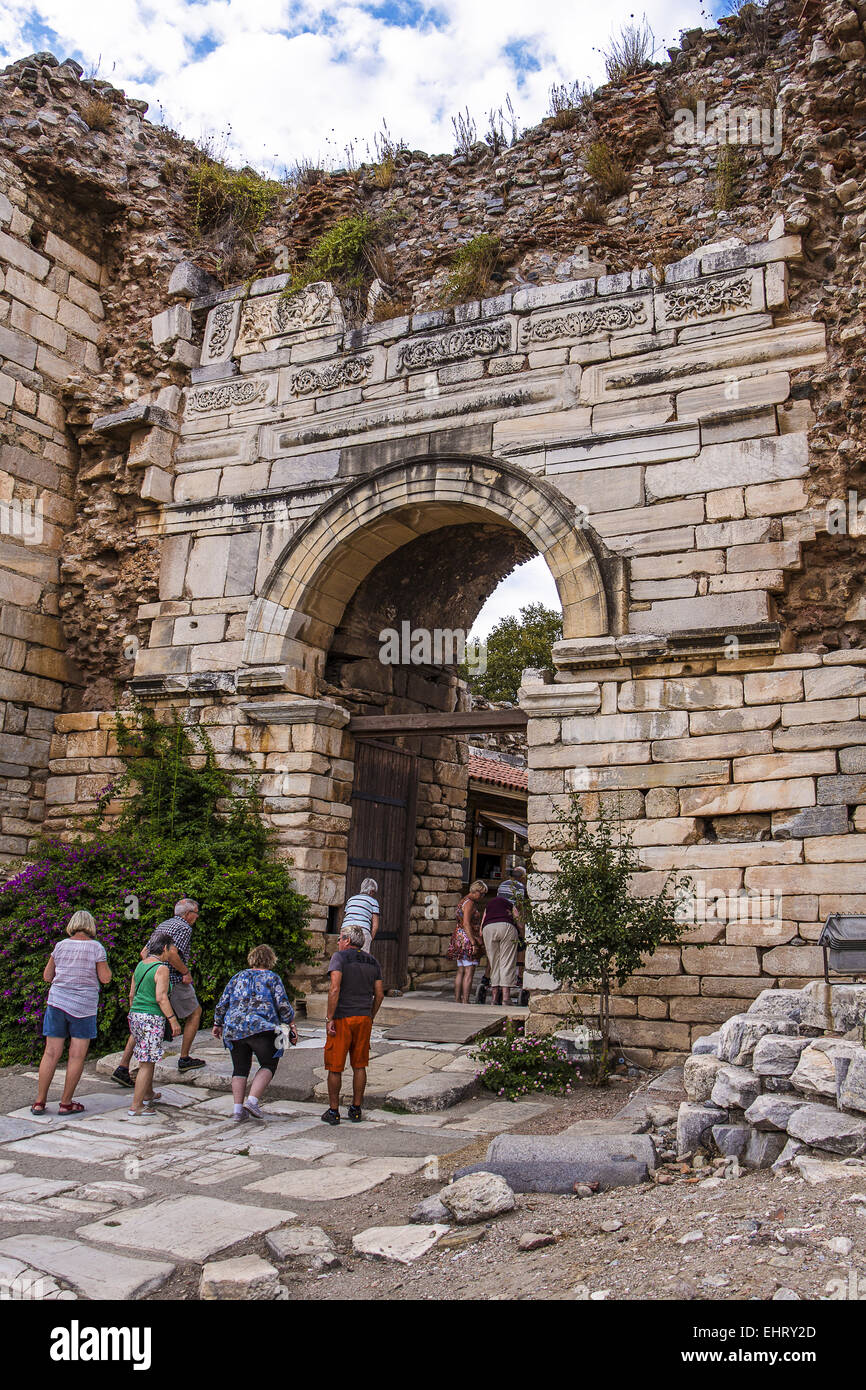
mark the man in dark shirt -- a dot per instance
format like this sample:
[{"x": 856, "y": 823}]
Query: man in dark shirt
[{"x": 355, "y": 996}]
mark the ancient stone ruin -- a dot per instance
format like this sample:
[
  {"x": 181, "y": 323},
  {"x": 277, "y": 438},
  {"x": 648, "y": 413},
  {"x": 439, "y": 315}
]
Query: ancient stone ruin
[{"x": 240, "y": 487}]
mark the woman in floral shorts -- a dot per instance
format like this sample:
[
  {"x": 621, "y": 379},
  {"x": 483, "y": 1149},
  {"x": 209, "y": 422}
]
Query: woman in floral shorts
[
  {"x": 466, "y": 943},
  {"x": 148, "y": 1010}
]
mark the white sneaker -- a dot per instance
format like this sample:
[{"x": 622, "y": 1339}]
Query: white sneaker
[{"x": 253, "y": 1108}]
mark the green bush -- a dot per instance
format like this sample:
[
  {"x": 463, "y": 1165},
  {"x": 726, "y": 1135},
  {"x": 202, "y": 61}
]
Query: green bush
[
  {"x": 341, "y": 255},
  {"x": 514, "y": 1065},
  {"x": 185, "y": 832},
  {"x": 472, "y": 268},
  {"x": 217, "y": 195}
]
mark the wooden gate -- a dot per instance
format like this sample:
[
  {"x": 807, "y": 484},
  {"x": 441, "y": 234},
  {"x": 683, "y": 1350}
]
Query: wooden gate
[{"x": 382, "y": 846}]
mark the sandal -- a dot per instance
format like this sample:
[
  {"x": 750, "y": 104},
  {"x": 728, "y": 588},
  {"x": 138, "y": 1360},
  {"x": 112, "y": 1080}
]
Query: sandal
[
  {"x": 38, "y": 1107},
  {"x": 73, "y": 1108}
]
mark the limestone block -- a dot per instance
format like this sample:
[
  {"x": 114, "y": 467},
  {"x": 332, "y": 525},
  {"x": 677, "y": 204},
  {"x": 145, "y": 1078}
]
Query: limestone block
[
  {"x": 741, "y": 798},
  {"x": 694, "y": 1126},
  {"x": 477, "y": 1197},
  {"x": 771, "y": 687},
  {"x": 656, "y": 1033},
  {"x": 742, "y": 462},
  {"x": 703, "y": 722},
  {"x": 852, "y": 1092},
  {"x": 777, "y": 1054},
  {"x": 824, "y": 1127},
  {"x": 753, "y": 393},
  {"x": 835, "y": 735},
  {"x": 173, "y": 323},
  {"x": 778, "y": 765},
  {"x": 721, "y": 746},
  {"x": 817, "y": 711},
  {"x": 843, "y": 790},
  {"x": 720, "y": 960},
  {"x": 739, "y": 1036},
  {"x": 740, "y": 608},
  {"x": 815, "y": 1073},
  {"x": 831, "y": 682},
  {"x": 834, "y": 1007},
  {"x": 699, "y": 1076},
  {"x": 814, "y": 821},
  {"x": 735, "y": 1087},
  {"x": 246, "y": 1277},
  {"x": 852, "y": 759}
]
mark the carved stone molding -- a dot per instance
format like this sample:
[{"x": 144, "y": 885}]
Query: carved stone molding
[
  {"x": 309, "y": 308},
  {"x": 580, "y": 323},
  {"x": 220, "y": 331},
  {"x": 707, "y": 297},
  {"x": 297, "y": 712},
  {"x": 227, "y": 395},
  {"x": 475, "y": 340},
  {"x": 352, "y": 371}
]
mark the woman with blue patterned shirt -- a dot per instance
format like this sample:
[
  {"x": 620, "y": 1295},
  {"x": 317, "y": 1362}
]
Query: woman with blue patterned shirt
[{"x": 253, "y": 1005}]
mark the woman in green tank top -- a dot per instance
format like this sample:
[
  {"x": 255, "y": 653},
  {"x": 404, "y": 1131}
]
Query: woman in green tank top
[{"x": 148, "y": 1008}]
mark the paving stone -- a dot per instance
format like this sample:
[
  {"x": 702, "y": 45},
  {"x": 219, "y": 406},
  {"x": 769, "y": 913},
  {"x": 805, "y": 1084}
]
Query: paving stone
[
  {"x": 299, "y": 1242},
  {"x": 12, "y": 1213},
  {"x": 225, "y": 1170},
  {"x": 120, "y": 1194},
  {"x": 187, "y": 1228},
  {"x": 79, "y": 1206},
  {"x": 98, "y": 1103},
  {"x": 435, "y": 1091},
  {"x": 331, "y": 1184},
  {"x": 244, "y": 1277},
  {"x": 389, "y": 1072},
  {"x": 13, "y": 1128},
  {"x": 308, "y": 1150},
  {"x": 16, "y": 1187},
  {"x": 499, "y": 1115},
  {"x": 95, "y": 1274},
  {"x": 404, "y": 1244},
  {"x": 82, "y": 1147},
  {"x": 119, "y": 1128}
]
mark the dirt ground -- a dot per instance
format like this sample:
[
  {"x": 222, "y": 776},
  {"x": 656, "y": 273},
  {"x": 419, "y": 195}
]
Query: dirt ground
[{"x": 745, "y": 1238}]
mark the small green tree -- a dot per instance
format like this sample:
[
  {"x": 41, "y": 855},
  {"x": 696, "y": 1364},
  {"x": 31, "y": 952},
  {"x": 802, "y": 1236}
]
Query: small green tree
[
  {"x": 513, "y": 644},
  {"x": 593, "y": 931}
]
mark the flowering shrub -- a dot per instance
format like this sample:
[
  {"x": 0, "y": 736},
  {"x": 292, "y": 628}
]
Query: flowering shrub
[
  {"x": 515, "y": 1066},
  {"x": 174, "y": 841}
]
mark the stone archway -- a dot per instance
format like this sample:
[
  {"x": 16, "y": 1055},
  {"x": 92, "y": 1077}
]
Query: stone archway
[{"x": 295, "y": 616}]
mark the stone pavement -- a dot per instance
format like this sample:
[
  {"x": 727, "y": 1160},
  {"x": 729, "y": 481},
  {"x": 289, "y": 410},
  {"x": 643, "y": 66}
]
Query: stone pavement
[{"x": 98, "y": 1205}]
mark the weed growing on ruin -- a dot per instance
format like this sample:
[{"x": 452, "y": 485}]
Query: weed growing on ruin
[
  {"x": 502, "y": 128},
  {"x": 729, "y": 172},
  {"x": 593, "y": 210},
  {"x": 629, "y": 52},
  {"x": 342, "y": 255},
  {"x": 472, "y": 269},
  {"x": 465, "y": 134},
  {"x": 568, "y": 102},
  {"x": 606, "y": 171},
  {"x": 97, "y": 113},
  {"x": 217, "y": 195},
  {"x": 515, "y": 1066}
]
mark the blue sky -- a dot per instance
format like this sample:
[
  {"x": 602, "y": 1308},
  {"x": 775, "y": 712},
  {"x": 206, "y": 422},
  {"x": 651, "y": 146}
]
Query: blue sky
[{"x": 302, "y": 79}]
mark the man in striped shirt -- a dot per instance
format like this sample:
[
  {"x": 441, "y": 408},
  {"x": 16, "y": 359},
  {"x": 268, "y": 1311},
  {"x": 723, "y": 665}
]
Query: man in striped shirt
[{"x": 182, "y": 997}]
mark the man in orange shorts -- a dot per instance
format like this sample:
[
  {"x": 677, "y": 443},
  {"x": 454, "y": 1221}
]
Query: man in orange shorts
[{"x": 355, "y": 996}]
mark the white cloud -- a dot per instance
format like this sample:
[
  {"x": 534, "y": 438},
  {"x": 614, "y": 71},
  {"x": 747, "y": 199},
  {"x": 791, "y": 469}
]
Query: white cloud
[{"x": 303, "y": 79}]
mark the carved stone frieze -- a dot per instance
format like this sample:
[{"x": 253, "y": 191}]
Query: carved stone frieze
[
  {"x": 336, "y": 376},
  {"x": 226, "y": 396},
  {"x": 581, "y": 323},
  {"x": 473, "y": 340},
  {"x": 707, "y": 297}
]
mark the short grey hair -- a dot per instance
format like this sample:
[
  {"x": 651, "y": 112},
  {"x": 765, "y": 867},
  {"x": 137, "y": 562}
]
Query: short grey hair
[
  {"x": 81, "y": 921},
  {"x": 369, "y": 885},
  {"x": 518, "y": 872},
  {"x": 185, "y": 905},
  {"x": 354, "y": 934}
]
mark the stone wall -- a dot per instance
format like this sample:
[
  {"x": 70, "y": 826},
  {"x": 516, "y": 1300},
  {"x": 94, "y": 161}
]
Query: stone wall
[{"x": 50, "y": 316}]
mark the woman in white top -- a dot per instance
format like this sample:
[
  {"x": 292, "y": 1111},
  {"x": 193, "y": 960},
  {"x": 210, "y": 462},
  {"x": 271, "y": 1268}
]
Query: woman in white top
[
  {"x": 362, "y": 910},
  {"x": 75, "y": 970}
]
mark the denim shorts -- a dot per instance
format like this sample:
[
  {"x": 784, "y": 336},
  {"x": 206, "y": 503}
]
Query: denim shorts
[{"x": 57, "y": 1023}]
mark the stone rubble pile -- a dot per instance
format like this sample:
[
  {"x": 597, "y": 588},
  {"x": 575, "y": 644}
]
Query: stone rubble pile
[{"x": 782, "y": 1084}]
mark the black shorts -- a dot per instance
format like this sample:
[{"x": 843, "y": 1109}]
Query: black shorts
[{"x": 262, "y": 1046}]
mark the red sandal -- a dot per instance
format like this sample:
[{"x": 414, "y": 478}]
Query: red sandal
[
  {"x": 73, "y": 1108},
  {"x": 38, "y": 1107}
]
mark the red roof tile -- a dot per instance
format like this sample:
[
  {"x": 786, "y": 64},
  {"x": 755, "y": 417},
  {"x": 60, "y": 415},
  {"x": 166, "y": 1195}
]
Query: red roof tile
[{"x": 500, "y": 774}]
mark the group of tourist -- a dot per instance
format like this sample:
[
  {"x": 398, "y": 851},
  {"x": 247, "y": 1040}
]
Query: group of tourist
[
  {"x": 497, "y": 931},
  {"x": 253, "y": 1017}
]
